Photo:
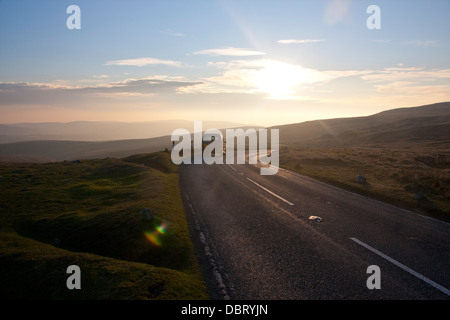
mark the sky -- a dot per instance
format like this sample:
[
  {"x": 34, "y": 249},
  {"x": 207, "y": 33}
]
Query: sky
[{"x": 255, "y": 62}]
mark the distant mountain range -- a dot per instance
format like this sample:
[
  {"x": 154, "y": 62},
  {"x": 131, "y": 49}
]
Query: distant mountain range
[
  {"x": 59, "y": 150},
  {"x": 52, "y": 150},
  {"x": 424, "y": 126},
  {"x": 99, "y": 131}
]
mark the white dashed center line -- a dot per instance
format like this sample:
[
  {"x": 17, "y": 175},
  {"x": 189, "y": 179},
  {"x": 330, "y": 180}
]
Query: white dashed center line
[{"x": 272, "y": 193}]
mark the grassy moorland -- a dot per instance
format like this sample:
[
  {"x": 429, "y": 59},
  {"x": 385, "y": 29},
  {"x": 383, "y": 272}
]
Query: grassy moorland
[
  {"x": 416, "y": 178},
  {"x": 53, "y": 215},
  {"x": 404, "y": 154}
]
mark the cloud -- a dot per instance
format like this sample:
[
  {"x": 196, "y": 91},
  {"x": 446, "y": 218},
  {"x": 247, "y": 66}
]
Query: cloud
[
  {"x": 395, "y": 86},
  {"x": 279, "y": 80},
  {"x": 172, "y": 33},
  {"x": 299, "y": 41},
  {"x": 140, "y": 62},
  {"x": 418, "y": 74},
  {"x": 255, "y": 80},
  {"x": 50, "y": 93},
  {"x": 382, "y": 40},
  {"x": 410, "y": 84},
  {"x": 230, "y": 51},
  {"x": 416, "y": 43},
  {"x": 276, "y": 79},
  {"x": 420, "y": 43},
  {"x": 412, "y": 88}
]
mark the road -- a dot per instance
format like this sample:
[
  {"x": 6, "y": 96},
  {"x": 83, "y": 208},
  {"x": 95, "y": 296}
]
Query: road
[{"x": 255, "y": 239}]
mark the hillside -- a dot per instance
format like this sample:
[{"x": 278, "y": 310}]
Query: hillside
[
  {"x": 425, "y": 126},
  {"x": 403, "y": 153},
  {"x": 88, "y": 214}
]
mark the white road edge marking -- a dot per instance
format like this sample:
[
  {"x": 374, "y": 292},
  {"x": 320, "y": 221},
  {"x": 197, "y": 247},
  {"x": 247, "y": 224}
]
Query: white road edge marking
[
  {"x": 402, "y": 266},
  {"x": 231, "y": 167},
  {"x": 272, "y": 193}
]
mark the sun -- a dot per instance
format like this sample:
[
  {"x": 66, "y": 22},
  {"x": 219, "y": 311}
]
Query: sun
[{"x": 279, "y": 80}]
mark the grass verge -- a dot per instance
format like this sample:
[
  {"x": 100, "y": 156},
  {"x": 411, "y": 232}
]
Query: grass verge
[
  {"x": 89, "y": 214},
  {"x": 415, "y": 179}
]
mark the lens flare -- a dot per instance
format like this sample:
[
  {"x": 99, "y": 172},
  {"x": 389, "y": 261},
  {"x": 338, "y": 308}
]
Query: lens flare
[
  {"x": 155, "y": 236},
  {"x": 162, "y": 228}
]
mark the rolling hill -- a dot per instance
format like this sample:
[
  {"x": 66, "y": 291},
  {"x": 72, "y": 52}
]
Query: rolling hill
[
  {"x": 424, "y": 126},
  {"x": 55, "y": 150},
  {"x": 405, "y": 127},
  {"x": 49, "y": 150}
]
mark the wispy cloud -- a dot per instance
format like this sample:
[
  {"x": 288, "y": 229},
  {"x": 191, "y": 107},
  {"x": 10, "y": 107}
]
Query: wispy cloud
[
  {"x": 299, "y": 41},
  {"x": 231, "y": 51},
  {"x": 382, "y": 40},
  {"x": 416, "y": 43},
  {"x": 411, "y": 84},
  {"x": 401, "y": 74},
  {"x": 420, "y": 43},
  {"x": 172, "y": 33},
  {"x": 51, "y": 93},
  {"x": 140, "y": 62}
]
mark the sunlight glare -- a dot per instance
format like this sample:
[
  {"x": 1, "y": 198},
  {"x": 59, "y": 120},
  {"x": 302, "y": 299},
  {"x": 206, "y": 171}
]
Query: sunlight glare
[{"x": 280, "y": 80}]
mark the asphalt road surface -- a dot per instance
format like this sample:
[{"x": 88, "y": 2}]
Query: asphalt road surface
[{"x": 255, "y": 239}]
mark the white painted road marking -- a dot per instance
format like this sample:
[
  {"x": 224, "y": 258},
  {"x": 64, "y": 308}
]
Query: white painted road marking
[
  {"x": 402, "y": 266},
  {"x": 231, "y": 167},
  {"x": 272, "y": 193}
]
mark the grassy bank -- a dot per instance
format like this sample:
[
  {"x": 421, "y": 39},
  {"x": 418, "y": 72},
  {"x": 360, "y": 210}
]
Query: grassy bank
[
  {"x": 416, "y": 179},
  {"x": 89, "y": 214}
]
